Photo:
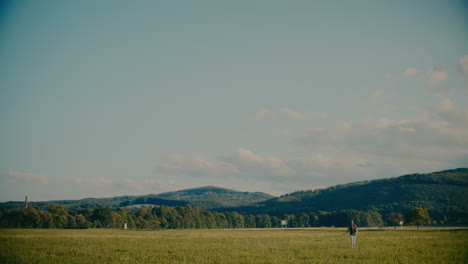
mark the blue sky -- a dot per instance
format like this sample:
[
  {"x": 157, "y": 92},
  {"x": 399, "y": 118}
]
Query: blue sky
[{"x": 108, "y": 98}]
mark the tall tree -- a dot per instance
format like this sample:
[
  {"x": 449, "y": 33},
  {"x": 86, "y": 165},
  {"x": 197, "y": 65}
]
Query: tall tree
[
  {"x": 102, "y": 216},
  {"x": 47, "y": 219},
  {"x": 418, "y": 216},
  {"x": 30, "y": 218},
  {"x": 59, "y": 215},
  {"x": 250, "y": 221},
  {"x": 263, "y": 221},
  {"x": 394, "y": 218},
  {"x": 303, "y": 220},
  {"x": 81, "y": 222}
]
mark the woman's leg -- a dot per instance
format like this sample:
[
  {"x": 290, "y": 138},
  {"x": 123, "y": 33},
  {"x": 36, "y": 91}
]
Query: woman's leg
[{"x": 353, "y": 240}]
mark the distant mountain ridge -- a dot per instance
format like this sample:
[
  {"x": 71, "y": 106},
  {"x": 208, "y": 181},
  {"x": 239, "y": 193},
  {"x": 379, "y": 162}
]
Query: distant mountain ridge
[
  {"x": 444, "y": 194},
  {"x": 207, "y": 197},
  {"x": 440, "y": 192}
]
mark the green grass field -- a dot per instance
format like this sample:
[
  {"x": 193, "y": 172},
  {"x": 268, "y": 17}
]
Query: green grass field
[{"x": 426, "y": 245}]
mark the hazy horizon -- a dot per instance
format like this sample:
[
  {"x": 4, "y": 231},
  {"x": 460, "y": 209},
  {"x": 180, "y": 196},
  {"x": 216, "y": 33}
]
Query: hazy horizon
[
  {"x": 111, "y": 98},
  {"x": 196, "y": 187}
]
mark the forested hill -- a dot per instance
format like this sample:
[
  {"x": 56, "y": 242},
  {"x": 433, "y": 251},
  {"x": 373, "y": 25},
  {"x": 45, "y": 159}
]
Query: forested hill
[
  {"x": 442, "y": 193},
  {"x": 208, "y": 197}
]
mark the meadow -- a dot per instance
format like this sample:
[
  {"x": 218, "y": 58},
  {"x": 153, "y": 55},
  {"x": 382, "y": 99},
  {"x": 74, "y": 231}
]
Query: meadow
[{"x": 314, "y": 245}]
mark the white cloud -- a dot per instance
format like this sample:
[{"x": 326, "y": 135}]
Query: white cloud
[
  {"x": 367, "y": 149},
  {"x": 291, "y": 114},
  {"x": 132, "y": 184},
  {"x": 243, "y": 164},
  {"x": 179, "y": 164},
  {"x": 464, "y": 65},
  {"x": 323, "y": 162},
  {"x": 436, "y": 76},
  {"x": 380, "y": 100},
  {"x": 100, "y": 186},
  {"x": 251, "y": 164},
  {"x": 22, "y": 177},
  {"x": 410, "y": 72},
  {"x": 81, "y": 187},
  {"x": 435, "y": 138},
  {"x": 92, "y": 181},
  {"x": 377, "y": 93},
  {"x": 288, "y": 114},
  {"x": 464, "y": 68},
  {"x": 445, "y": 105},
  {"x": 261, "y": 113}
]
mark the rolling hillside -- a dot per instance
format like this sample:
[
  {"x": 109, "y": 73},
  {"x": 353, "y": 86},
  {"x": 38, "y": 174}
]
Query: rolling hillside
[
  {"x": 442, "y": 193},
  {"x": 208, "y": 197}
]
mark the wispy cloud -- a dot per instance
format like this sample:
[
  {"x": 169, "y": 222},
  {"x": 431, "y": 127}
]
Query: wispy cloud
[
  {"x": 244, "y": 163},
  {"x": 288, "y": 114},
  {"x": 23, "y": 177},
  {"x": 432, "y": 77},
  {"x": 410, "y": 72},
  {"x": 261, "y": 113},
  {"x": 376, "y": 95},
  {"x": 464, "y": 68},
  {"x": 364, "y": 149},
  {"x": 132, "y": 184},
  {"x": 146, "y": 186},
  {"x": 94, "y": 181},
  {"x": 436, "y": 136},
  {"x": 124, "y": 185},
  {"x": 380, "y": 100},
  {"x": 180, "y": 164},
  {"x": 81, "y": 187},
  {"x": 249, "y": 164},
  {"x": 436, "y": 76},
  {"x": 464, "y": 65}
]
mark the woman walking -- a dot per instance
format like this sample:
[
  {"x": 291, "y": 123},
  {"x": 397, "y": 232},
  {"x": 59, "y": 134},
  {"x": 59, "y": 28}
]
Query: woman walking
[{"x": 352, "y": 229}]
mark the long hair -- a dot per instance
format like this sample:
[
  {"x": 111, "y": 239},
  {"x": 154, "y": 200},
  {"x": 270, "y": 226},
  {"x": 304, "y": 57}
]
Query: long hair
[{"x": 351, "y": 224}]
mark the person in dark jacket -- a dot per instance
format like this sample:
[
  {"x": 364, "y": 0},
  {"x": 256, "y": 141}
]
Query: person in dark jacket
[{"x": 352, "y": 229}]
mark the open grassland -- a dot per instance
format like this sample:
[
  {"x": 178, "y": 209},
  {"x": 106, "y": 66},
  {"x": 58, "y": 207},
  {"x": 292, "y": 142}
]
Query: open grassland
[{"x": 426, "y": 245}]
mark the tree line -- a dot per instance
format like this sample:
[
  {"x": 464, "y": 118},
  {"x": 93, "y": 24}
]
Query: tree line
[{"x": 182, "y": 217}]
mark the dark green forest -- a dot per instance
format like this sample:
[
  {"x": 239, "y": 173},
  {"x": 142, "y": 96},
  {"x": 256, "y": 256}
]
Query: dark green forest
[
  {"x": 178, "y": 217},
  {"x": 444, "y": 194}
]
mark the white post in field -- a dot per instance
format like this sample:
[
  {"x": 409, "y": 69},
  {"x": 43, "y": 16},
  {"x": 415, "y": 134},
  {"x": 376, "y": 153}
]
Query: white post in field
[{"x": 284, "y": 223}]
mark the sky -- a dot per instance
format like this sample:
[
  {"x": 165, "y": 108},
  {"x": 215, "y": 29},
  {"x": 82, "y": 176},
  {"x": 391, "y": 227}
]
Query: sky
[{"x": 111, "y": 98}]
